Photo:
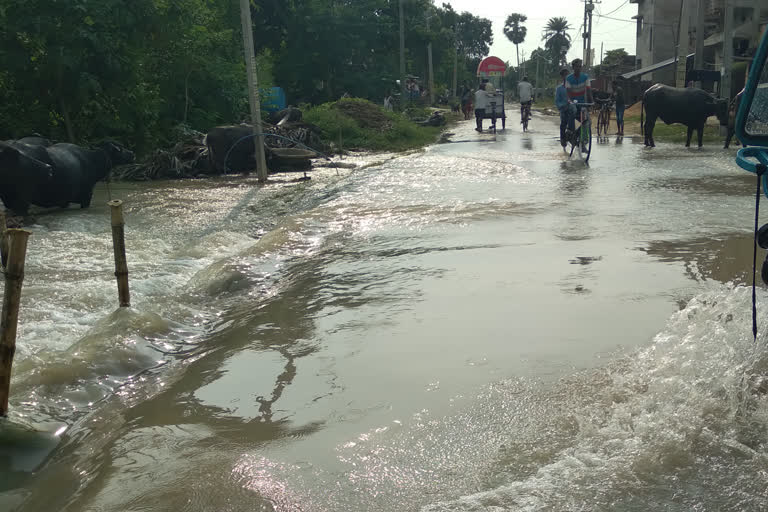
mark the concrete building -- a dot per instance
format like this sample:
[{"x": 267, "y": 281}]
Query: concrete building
[{"x": 658, "y": 23}]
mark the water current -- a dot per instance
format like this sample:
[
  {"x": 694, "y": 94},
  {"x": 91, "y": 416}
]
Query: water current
[{"x": 484, "y": 325}]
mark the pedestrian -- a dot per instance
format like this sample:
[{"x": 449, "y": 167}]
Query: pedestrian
[
  {"x": 481, "y": 103},
  {"x": 388, "y": 102},
  {"x": 466, "y": 101},
  {"x": 564, "y": 106},
  {"x": 618, "y": 98}
]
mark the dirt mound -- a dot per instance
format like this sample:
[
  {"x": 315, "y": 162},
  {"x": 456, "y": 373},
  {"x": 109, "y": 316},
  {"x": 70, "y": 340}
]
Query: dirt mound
[
  {"x": 367, "y": 114},
  {"x": 633, "y": 110}
]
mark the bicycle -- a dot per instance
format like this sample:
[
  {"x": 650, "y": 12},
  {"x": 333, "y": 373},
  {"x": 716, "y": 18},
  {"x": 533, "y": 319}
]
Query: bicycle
[
  {"x": 581, "y": 137},
  {"x": 526, "y": 114},
  {"x": 604, "y": 117},
  {"x": 493, "y": 116}
]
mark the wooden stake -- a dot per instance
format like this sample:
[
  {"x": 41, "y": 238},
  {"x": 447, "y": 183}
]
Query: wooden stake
[
  {"x": 14, "y": 276},
  {"x": 121, "y": 263},
  {"x": 3, "y": 239}
]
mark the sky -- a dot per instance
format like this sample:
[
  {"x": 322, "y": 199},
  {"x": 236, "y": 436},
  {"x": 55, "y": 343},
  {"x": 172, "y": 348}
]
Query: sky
[{"x": 611, "y": 32}]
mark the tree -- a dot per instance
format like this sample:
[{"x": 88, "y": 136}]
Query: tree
[
  {"x": 556, "y": 39},
  {"x": 515, "y": 31},
  {"x": 613, "y": 61}
]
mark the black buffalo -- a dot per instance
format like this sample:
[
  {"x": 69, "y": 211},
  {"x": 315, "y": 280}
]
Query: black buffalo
[
  {"x": 235, "y": 144},
  {"x": 20, "y": 175},
  {"x": 689, "y": 106},
  {"x": 36, "y": 140},
  {"x": 74, "y": 172}
]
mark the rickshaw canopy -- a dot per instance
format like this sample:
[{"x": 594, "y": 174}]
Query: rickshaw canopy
[{"x": 491, "y": 66}]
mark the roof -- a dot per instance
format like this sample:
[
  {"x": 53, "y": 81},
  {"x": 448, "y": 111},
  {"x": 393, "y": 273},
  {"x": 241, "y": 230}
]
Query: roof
[{"x": 652, "y": 67}]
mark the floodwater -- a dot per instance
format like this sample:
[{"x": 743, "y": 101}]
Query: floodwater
[{"x": 486, "y": 325}]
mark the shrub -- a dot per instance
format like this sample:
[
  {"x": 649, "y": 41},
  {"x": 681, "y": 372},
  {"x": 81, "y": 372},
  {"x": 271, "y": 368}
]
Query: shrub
[{"x": 363, "y": 125}]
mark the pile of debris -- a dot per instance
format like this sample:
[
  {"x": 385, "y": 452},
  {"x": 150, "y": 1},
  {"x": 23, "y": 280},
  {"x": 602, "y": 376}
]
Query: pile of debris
[
  {"x": 190, "y": 156},
  {"x": 365, "y": 113}
]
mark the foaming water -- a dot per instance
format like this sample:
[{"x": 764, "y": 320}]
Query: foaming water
[{"x": 678, "y": 425}]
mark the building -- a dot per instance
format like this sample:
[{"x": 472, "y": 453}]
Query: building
[
  {"x": 658, "y": 23},
  {"x": 656, "y": 36}
]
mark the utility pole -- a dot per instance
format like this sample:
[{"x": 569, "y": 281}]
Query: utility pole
[
  {"x": 698, "y": 58},
  {"x": 584, "y": 35},
  {"x": 402, "y": 55},
  {"x": 525, "y": 65},
  {"x": 682, "y": 45},
  {"x": 725, "y": 89},
  {"x": 589, "y": 6},
  {"x": 429, "y": 59},
  {"x": 590, "y": 53},
  {"x": 253, "y": 86}
]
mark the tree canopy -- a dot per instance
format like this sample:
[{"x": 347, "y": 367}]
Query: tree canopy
[
  {"x": 135, "y": 70},
  {"x": 516, "y": 31},
  {"x": 556, "y": 39}
]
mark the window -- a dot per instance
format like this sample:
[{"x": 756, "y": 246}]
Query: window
[{"x": 639, "y": 25}]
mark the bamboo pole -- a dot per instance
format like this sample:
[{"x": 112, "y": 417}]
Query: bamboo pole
[
  {"x": 121, "y": 263},
  {"x": 3, "y": 239},
  {"x": 14, "y": 276}
]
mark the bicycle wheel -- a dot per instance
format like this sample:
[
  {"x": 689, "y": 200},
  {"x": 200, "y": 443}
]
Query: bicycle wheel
[
  {"x": 525, "y": 122},
  {"x": 587, "y": 137}
]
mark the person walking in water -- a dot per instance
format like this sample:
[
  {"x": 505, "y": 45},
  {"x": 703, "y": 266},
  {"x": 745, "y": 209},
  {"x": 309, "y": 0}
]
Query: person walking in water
[{"x": 618, "y": 98}]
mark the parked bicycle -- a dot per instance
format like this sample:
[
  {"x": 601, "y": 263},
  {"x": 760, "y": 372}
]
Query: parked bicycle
[
  {"x": 581, "y": 137},
  {"x": 603, "y": 117}
]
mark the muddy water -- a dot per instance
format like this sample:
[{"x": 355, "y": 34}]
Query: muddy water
[{"x": 485, "y": 325}]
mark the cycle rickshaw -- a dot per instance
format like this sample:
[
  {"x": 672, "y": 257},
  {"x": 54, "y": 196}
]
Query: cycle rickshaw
[{"x": 493, "y": 68}]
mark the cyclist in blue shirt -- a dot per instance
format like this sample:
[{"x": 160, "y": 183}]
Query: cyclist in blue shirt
[
  {"x": 578, "y": 87},
  {"x": 564, "y": 106}
]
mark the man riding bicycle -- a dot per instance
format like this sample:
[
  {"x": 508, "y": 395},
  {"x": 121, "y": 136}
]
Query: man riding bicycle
[
  {"x": 579, "y": 90},
  {"x": 525, "y": 92}
]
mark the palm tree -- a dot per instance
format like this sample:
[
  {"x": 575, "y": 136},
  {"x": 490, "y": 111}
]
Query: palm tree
[
  {"x": 556, "y": 38},
  {"x": 515, "y": 31}
]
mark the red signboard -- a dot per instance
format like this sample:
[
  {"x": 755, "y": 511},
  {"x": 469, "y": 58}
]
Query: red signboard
[{"x": 491, "y": 66}]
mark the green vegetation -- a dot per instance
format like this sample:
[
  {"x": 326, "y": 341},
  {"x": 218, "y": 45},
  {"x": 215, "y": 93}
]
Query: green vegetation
[
  {"x": 361, "y": 124},
  {"x": 673, "y": 132},
  {"x": 82, "y": 70}
]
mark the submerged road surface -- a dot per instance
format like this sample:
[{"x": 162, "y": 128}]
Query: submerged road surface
[{"x": 485, "y": 325}]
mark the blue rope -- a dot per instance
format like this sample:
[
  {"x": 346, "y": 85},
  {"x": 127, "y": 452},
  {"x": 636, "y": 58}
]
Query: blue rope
[{"x": 241, "y": 139}]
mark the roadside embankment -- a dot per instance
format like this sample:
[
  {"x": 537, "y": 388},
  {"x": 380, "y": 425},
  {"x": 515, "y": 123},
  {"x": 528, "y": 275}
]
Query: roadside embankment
[{"x": 358, "y": 124}]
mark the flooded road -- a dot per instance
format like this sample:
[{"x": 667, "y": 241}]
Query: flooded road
[{"x": 485, "y": 325}]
